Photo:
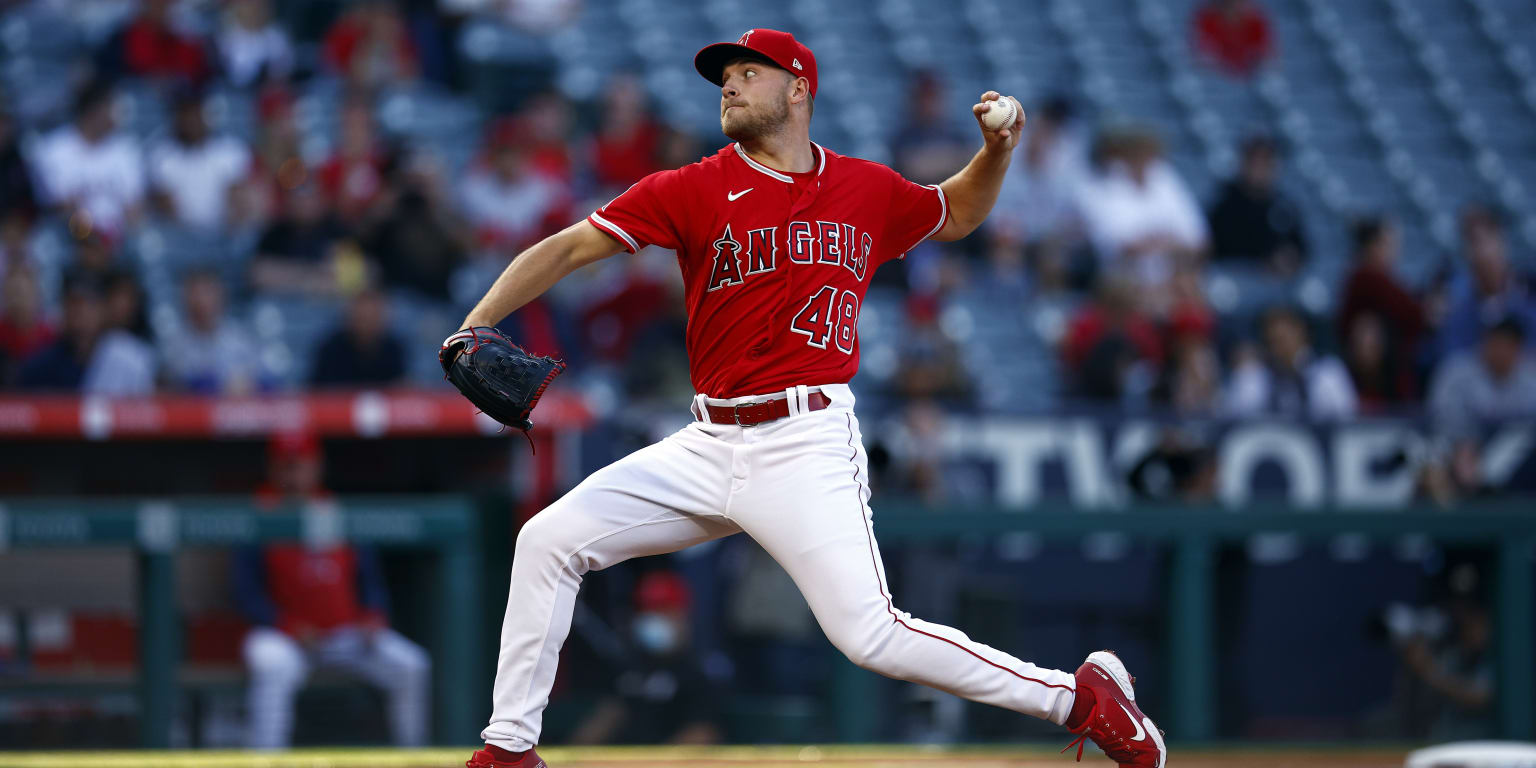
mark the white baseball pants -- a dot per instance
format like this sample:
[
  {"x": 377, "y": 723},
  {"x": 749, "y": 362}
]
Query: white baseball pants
[
  {"x": 799, "y": 487},
  {"x": 278, "y": 667}
]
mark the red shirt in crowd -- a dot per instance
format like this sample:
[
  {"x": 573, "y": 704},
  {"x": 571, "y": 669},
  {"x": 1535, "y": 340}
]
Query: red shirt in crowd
[
  {"x": 348, "y": 38},
  {"x": 619, "y": 161},
  {"x": 1236, "y": 40},
  {"x": 775, "y": 265},
  {"x": 1092, "y": 324},
  {"x": 19, "y": 343},
  {"x": 152, "y": 49},
  {"x": 352, "y": 184},
  {"x": 1371, "y": 290}
]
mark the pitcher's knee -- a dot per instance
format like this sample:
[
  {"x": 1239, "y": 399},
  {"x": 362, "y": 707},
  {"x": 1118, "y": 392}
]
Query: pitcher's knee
[
  {"x": 873, "y": 646},
  {"x": 861, "y": 647},
  {"x": 543, "y": 536}
]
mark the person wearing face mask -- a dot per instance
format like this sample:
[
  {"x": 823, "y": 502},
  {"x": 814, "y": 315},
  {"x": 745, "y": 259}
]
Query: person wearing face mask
[{"x": 662, "y": 695}]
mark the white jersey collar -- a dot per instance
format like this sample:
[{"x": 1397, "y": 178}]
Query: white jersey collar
[{"x": 763, "y": 169}]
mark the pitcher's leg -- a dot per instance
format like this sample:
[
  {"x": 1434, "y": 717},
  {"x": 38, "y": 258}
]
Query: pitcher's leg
[
  {"x": 660, "y": 499},
  {"x": 815, "y": 520}
]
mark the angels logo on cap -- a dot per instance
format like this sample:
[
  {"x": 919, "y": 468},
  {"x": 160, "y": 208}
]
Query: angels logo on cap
[{"x": 771, "y": 45}]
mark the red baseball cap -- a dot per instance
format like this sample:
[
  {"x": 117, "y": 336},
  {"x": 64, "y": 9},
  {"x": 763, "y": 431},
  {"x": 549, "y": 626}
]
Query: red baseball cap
[
  {"x": 293, "y": 445},
  {"x": 780, "y": 49},
  {"x": 663, "y": 592}
]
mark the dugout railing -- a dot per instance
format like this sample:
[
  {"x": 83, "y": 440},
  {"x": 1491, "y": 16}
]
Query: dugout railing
[
  {"x": 448, "y": 526},
  {"x": 1193, "y": 536},
  {"x": 443, "y": 525}
]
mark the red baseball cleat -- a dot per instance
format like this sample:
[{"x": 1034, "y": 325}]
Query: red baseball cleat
[
  {"x": 484, "y": 758},
  {"x": 1115, "y": 723}
]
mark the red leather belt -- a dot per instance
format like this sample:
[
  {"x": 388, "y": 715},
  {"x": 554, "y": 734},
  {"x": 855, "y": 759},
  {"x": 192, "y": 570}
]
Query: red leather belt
[{"x": 762, "y": 411}]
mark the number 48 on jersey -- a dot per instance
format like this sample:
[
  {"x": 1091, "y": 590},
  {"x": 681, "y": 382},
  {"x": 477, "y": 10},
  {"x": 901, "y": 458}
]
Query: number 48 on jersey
[{"x": 829, "y": 316}]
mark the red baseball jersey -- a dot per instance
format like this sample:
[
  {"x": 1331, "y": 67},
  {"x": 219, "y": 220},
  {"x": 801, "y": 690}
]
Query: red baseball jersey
[{"x": 775, "y": 264}]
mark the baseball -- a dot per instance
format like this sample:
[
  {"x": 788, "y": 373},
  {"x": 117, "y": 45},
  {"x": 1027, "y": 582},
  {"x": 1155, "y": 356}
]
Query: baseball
[{"x": 1001, "y": 114}]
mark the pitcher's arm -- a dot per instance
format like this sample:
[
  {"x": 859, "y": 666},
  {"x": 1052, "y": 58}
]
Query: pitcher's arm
[{"x": 535, "y": 270}]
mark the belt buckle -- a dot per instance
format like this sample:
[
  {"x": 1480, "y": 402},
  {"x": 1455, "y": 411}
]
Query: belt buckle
[{"x": 736, "y": 414}]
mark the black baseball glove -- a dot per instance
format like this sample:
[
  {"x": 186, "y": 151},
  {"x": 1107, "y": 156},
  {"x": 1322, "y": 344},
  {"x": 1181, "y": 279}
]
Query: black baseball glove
[{"x": 496, "y": 375}]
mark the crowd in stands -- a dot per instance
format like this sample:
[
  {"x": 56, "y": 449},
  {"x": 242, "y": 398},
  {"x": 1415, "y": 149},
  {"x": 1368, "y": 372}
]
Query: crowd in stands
[{"x": 1093, "y": 217}]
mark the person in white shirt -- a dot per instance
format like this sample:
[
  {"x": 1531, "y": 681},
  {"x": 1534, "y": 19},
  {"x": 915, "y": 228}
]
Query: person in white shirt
[
  {"x": 252, "y": 47},
  {"x": 90, "y": 172},
  {"x": 1290, "y": 380},
  {"x": 196, "y": 175},
  {"x": 208, "y": 352},
  {"x": 510, "y": 202},
  {"x": 1139, "y": 214},
  {"x": 1037, "y": 203},
  {"x": 1477, "y": 387}
]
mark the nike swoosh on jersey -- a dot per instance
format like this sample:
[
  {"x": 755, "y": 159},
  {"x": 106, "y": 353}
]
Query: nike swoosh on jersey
[
  {"x": 731, "y": 196},
  {"x": 1141, "y": 733}
]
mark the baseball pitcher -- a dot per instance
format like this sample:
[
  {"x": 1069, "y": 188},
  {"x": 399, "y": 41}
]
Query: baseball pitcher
[{"x": 777, "y": 239}]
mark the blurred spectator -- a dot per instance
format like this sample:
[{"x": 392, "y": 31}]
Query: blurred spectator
[
  {"x": 1372, "y": 288},
  {"x": 1190, "y": 381},
  {"x": 627, "y": 144},
  {"x": 546, "y": 124},
  {"x": 678, "y": 148},
  {"x": 62, "y": 365},
  {"x": 95, "y": 259},
  {"x": 1252, "y": 220},
  {"x": 622, "y": 310},
  {"x": 1177, "y": 469},
  {"x": 1110, "y": 345},
  {"x": 918, "y": 454},
  {"x": 320, "y": 606},
  {"x": 1478, "y": 387},
  {"x": 526, "y": 62},
  {"x": 364, "y": 351},
  {"x": 278, "y": 165},
  {"x": 298, "y": 251},
  {"x": 208, "y": 352},
  {"x": 1488, "y": 287},
  {"x": 1449, "y": 653},
  {"x": 510, "y": 202},
  {"x": 418, "y": 242},
  {"x": 1289, "y": 380},
  {"x": 1038, "y": 198},
  {"x": 18, "y": 201},
  {"x": 252, "y": 47},
  {"x": 370, "y": 45},
  {"x": 1233, "y": 35},
  {"x": 775, "y": 645},
  {"x": 1006, "y": 278},
  {"x": 930, "y": 365},
  {"x": 24, "y": 329},
  {"x": 661, "y": 694},
  {"x": 15, "y": 241},
  {"x": 195, "y": 176},
  {"x": 353, "y": 177},
  {"x": 539, "y": 16},
  {"x": 1140, "y": 216},
  {"x": 125, "y": 305},
  {"x": 93, "y": 174},
  {"x": 928, "y": 146},
  {"x": 151, "y": 46},
  {"x": 1381, "y": 381},
  {"x": 90, "y": 356}
]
